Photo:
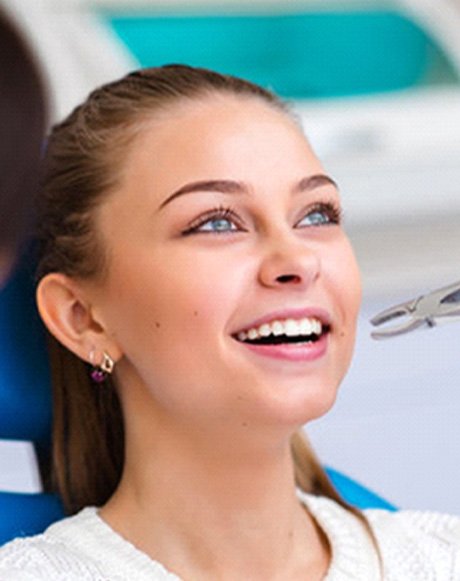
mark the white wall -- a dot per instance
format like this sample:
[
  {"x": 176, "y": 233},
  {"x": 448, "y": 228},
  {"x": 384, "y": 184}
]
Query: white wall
[{"x": 395, "y": 426}]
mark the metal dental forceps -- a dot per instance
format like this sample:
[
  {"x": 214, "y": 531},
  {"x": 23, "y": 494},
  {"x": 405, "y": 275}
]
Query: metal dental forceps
[{"x": 441, "y": 305}]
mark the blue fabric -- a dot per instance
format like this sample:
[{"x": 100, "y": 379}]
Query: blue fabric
[
  {"x": 27, "y": 514},
  {"x": 356, "y": 494},
  {"x": 25, "y": 398}
]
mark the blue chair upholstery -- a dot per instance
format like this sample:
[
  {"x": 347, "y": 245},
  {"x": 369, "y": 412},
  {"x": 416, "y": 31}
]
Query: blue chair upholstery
[
  {"x": 25, "y": 409},
  {"x": 356, "y": 494},
  {"x": 27, "y": 514},
  {"x": 25, "y": 399}
]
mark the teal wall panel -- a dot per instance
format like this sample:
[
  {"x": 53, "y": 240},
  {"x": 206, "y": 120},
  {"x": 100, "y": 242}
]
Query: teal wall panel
[{"x": 305, "y": 55}]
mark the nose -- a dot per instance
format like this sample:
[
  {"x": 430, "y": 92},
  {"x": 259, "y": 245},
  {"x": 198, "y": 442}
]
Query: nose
[{"x": 289, "y": 262}]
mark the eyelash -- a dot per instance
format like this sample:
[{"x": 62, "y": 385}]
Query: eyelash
[
  {"x": 219, "y": 213},
  {"x": 330, "y": 209}
]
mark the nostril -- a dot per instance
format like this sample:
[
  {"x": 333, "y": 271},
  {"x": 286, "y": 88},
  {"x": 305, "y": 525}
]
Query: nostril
[{"x": 285, "y": 278}]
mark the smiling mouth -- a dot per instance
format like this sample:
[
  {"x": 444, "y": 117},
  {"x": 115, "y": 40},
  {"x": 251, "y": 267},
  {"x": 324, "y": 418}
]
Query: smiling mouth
[{"x": 282, "y": 332}]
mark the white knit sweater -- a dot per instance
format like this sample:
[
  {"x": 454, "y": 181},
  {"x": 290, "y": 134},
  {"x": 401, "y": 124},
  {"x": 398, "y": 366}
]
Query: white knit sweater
[{"x": 414, "y": 546}]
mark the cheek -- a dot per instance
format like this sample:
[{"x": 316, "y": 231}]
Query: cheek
[
  {"x": 345, "y": 285},
  {"x": 170, "y": 308},
  {"x": 346, "y": 277},
  {"x": 171, "y": 324}
]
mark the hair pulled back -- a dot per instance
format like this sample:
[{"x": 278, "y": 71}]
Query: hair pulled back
[{"x": 83, "y": 158}]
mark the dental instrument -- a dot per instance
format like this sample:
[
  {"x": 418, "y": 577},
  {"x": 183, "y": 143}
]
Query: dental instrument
[{"x": 436, "y": 307}]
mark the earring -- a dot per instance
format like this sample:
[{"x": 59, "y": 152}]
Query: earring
[{"x": 100, "y": 372}]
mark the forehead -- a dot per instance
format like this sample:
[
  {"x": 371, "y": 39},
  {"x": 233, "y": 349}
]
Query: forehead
[{"x": 216, "y": 135}]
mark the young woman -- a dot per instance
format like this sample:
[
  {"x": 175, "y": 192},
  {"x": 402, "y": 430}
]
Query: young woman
[{"x": 202, "y": 298}]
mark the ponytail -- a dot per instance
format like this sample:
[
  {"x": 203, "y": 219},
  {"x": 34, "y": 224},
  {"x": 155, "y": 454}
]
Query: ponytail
[{"x": 88, "y": 439}]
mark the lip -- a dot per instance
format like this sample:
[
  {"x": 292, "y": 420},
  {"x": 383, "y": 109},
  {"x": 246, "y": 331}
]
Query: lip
[
  {"x": 296, "y": 314},
  {"x": 293, "y": 352}
]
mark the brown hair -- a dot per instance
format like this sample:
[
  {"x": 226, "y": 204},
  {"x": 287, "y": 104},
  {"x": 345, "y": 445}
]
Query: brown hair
[
  {"x": 79, "y": 171},
  {"x": 22, "y": 123}
]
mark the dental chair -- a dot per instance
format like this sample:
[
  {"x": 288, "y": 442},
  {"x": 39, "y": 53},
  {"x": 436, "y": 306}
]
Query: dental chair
[
  {"x": 25, "y": 410},
  {"x": 25, "y": 401}
]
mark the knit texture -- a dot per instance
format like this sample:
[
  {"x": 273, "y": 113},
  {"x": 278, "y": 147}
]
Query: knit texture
[{"x": 414, "y": 546}]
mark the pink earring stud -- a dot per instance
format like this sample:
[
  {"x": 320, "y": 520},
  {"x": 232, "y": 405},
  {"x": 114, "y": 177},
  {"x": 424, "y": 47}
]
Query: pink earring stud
[{"x": 100, "y": 372}]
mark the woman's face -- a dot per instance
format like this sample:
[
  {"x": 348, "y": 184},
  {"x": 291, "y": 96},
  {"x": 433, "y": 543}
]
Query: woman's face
[{"x": 232, "y": 290}]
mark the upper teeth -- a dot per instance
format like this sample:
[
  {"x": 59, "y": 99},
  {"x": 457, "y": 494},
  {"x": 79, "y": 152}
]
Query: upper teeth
[{"x": 289, "y": 327}]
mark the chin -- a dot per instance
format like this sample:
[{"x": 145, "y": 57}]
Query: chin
[{"x": 301, "y": 405}]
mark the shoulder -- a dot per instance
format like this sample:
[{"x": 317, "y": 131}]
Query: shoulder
[
  {"x": 418, "y": 541},
  {"x": 47, "y": 557},
  {"x": 417, "y": 524},
  {"x": 410, "y": 545},
  {"x": 79, "y": 548},
  {"x": 32, "y": 559}
]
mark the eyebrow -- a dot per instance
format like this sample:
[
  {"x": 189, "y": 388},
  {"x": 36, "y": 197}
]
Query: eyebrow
[{"x": 234, "y": 187}]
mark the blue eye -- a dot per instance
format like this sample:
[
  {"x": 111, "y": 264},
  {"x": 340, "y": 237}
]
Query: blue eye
[
  {"x": 217, "y": 224},
  {"x": 321, "y": 215},
  {"x": 217, "y": 221}
]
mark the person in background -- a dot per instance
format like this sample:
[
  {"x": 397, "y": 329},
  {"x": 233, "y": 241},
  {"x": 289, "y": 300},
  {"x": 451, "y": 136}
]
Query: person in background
[
  {"x": 202, "y": 299},
  {"x": 23, "y": 115}
]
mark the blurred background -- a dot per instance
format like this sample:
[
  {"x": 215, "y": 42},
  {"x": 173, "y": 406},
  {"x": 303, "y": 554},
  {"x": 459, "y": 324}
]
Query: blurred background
[{"x": 377, "y": 86}]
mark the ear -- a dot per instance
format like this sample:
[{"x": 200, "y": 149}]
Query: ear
[{"x": 66, "y": 311}]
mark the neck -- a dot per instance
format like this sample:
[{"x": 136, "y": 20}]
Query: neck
[{"x": 218, "y": 509}]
